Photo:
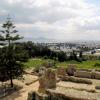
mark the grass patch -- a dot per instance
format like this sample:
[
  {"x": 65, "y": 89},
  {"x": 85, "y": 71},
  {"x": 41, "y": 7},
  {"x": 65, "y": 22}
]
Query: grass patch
[
  {"x": 33, "y": 63},
  {"x": 85, "y": 64},
  {"x": 37, "y": 62}
]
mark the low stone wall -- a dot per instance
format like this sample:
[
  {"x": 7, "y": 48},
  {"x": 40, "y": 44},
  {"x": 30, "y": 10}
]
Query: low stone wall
[
  {"x": 82, "y": 69},
  {"x": 97, "y": 75},
  {"x": 83, "y": 74},
  {"x": 76, "y": 80},
  {"x": 58, "y": 95},
  {"x": 87, "y": 74}
]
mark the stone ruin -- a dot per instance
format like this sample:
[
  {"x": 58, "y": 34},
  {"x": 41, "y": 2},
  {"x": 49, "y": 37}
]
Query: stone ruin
[
  {"x": 61, "y": 72},
  {"x": 41, "y": 71},
  {"x": 47, "y": 88},
  {"x": 48, "y": 80},
  {"x": 87, "y": 74},
  {"x": 71, "y": 69}
]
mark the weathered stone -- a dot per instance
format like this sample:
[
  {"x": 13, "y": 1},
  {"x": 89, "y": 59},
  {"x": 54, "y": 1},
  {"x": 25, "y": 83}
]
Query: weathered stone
[
  {"x": 61, "y": 72},
  {"x": 31, "y": 95},
  {"x": 97, "y": 87},
  {"x": 71, "y": 69},
  {"x": 42, "y": 71},
  {"x": 76, "y": 80},
  {"x": 48, "y": 80},
  {"x": 93, "y": 73},
  {"x": 70, "y": 95},
  {"x": 88, "y": 74},
  {"x": 37, "y": 96},
  {"x": 83, "y": 74},
  {"x": 42, "y": 82},
  {"x": 97, "y": 75},
  {"x": 41, "y": 96}
]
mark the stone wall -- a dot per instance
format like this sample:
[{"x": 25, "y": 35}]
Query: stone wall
[
  {"x": 97, "y": 75},
  {"x": 87, "y": 74},
  {"x": 83, "y": 74},
  {"x": 58, "y": 95}
]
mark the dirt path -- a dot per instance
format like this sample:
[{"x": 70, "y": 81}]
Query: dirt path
[{"x": 23, "y": 93}]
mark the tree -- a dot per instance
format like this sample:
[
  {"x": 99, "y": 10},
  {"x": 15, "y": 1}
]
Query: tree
[
  {"x": 81, "y": 54},
  {"x": 10, "y": 65},
  {"x": 62, "y": 56},
  {"x": 73, "y": 55},
  {"x": 29, "y": 46}
]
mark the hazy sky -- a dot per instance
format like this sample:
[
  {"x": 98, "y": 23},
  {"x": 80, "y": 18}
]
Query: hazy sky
[{"x": 54, "y": 19}]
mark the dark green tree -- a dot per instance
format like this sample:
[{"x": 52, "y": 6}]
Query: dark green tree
[
  {"x": 10, "y": 63},
  {"x": 81, "y": 54},
  {"x": 62, "y": 56}
]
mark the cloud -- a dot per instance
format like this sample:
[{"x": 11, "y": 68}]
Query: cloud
[{"x": 57, "y": 19}]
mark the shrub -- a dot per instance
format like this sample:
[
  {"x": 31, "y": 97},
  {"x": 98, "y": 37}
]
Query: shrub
[
  {"x": 49, "y": 64},
  {"x": 45, "y": 57},
  {"x": 62, "y": 56},
  {"x": 91, "y": 57},
  {"x": 97, "y": 65},
  {"x": 46, "y": 64}
]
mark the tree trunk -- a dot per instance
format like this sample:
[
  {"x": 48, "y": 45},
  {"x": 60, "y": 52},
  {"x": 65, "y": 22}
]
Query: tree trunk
[{"x": 11, "y": 81}]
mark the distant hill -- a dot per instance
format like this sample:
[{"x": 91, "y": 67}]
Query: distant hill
[{"x": 39, "y": 39}]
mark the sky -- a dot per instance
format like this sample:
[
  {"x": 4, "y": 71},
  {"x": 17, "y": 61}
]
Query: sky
[{"x": 63, "y": 20}]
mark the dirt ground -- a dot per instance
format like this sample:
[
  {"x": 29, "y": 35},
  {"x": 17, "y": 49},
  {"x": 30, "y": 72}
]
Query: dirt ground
[
  {"x": 22, "y": 94},
  {"x": 80, "y": 86}
]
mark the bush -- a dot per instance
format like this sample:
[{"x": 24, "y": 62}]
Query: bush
[
  {"x": 97, "y": 65},
  {"x": 62, "y": 56},
  {"x": 49, "y": 64},
  {"x": 36, "y": 69},
  {"x": 91, "y": 57},
  {"x": 46, "y": 64},
  {"x": 45, "y": 57}
]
